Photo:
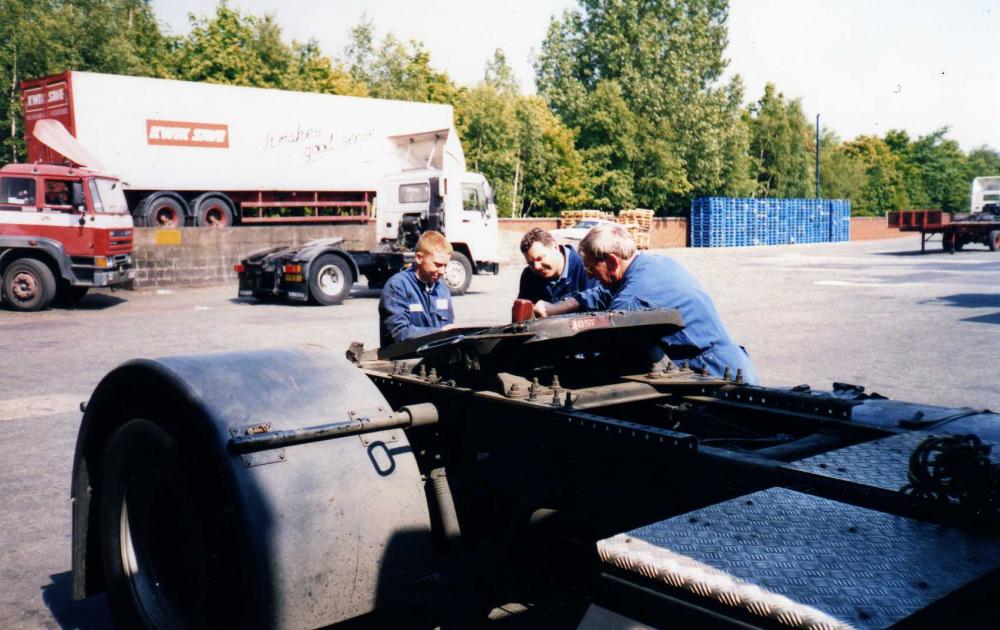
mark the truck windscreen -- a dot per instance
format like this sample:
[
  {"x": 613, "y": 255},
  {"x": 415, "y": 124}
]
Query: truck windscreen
[
  {"x": 473, "y": 197},
  {"x": 108, "y": 196}
]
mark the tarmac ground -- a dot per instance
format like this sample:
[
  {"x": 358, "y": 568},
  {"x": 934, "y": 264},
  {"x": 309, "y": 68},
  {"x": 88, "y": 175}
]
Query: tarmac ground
[{"x": 924, "y": 328}]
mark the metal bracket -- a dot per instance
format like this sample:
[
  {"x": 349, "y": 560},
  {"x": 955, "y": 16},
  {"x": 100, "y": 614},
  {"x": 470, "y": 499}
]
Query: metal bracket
[
  {"x": 369, "y": 438},
  {"x": 249, "y": 429},
  {"x": 263, "y": 457}
]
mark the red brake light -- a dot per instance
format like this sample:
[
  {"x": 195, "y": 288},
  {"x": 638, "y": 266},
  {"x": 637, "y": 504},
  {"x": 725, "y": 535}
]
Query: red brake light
[
  {"x": 292, "y": 269},
  {"x": 238, "y": 267}
]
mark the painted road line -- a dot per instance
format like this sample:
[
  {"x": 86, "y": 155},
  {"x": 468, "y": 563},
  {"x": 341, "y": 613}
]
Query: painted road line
[{"x": 34, "y": 406}]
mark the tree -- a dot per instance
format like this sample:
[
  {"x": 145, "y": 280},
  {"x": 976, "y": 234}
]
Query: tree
[
  {"x": 884, "y": 188},
  {"x": 44, "y": 37},
  {"x": 520, "y": 145},
  {"x": 780, "y": 146},
  {"x": 657, "y": 63},
  {"x": 393, "y": 69},
  {"x": 843, "y": 175}
]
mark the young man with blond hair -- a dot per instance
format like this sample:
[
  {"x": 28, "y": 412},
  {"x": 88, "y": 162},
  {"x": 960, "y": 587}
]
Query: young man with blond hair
[
  {"x": 416, "y": 301},
  {"x": 636, "y": 281}
]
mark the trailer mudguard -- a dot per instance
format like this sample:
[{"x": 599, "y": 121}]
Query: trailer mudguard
[
  {"x": 295, "y": 537},
  {"x": 314, "y": 249}
]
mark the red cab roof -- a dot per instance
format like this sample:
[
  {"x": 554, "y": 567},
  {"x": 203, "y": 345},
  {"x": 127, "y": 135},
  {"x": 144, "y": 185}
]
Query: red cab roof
[{"x": 55, "y": 170}]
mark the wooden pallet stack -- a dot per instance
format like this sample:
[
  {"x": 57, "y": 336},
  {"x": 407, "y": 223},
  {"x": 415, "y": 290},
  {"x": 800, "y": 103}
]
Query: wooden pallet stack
[
  {"x": 569, "y": 218},
  {"x": 639, "y": 224}
]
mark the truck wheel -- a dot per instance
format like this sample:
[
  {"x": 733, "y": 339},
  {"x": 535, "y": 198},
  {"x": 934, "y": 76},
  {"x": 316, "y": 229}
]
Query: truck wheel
[
  {"x": 458, "y": 274},
  {"x": 152, "y": 545},
  {"x": 28, "y": 285},
  {"x": 330, "y": 280},
  {"x": 993, "y": 240},
  {"x": 213, "y": 211},
  {"x": 163, "y": 212},
  {"x": 948, "y": 241}
]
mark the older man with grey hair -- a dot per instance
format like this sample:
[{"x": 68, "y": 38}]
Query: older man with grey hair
[{"x": 632, "y": 280}]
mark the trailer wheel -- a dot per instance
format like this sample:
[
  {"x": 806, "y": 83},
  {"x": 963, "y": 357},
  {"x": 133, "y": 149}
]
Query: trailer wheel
[
  {"x": 948, "y": 241},
  {"x": 28, "y": 285},
  {"x": 162, "y": 212},
  {"x": 993, "y": 240},
  {"x": 458, "y": 274},
  {"x": 153, "y": 546},
  {"x": 330, "y": 280},
  {"x": 213, "y": 211}
]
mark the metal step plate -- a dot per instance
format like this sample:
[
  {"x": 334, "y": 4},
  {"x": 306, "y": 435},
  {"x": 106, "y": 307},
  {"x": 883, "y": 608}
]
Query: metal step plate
[
  {"x": 803, "y": 561},
  {"x": 879, "y": 463}
]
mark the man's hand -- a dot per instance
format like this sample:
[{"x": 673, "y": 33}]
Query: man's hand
[
  {"x": 545, "y": 309},
  {"x": 541, "y": 309}
]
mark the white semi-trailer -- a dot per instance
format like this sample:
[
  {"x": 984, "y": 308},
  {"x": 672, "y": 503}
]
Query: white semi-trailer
[{"x": 218, "y": 155}]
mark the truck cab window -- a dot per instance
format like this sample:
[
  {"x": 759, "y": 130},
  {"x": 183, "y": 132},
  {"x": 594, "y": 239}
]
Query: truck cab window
[
  {"x": 17, "y": 191},
  {"x": 473, "y": 197},
  {"x": 57, "y": 193},
  {"x": 108, "y": 196},
  {"x": 414, "y": 193}
]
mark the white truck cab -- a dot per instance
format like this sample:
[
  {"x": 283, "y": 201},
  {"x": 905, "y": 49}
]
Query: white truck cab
[
  {"x": 985, "y": 191},
  {"x": 435, "y": 192}
]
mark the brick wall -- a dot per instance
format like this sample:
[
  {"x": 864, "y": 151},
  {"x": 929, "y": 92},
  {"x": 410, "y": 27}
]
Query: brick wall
[
  {"x": 199, "y": 256},
  {"x": 668, "y": 232},
  {"x": 873, "y": 228}
]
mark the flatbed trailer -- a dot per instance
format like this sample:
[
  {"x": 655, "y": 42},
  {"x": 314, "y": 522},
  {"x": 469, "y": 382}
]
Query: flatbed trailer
[{"x": 956, "y": 231}]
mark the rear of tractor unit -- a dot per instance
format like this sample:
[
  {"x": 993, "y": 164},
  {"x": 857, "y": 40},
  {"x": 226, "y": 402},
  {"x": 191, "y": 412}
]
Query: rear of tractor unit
[{"x": 546, "y": 463}]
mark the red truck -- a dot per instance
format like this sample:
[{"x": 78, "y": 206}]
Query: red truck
[{"x": 63, "y": 230}]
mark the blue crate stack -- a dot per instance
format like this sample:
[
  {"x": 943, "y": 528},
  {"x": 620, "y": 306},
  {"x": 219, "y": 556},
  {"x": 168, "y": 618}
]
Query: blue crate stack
[{"x": 729, "y": 222}]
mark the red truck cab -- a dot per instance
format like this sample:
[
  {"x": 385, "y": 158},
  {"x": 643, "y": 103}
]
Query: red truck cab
[{"x": 63, "y": 230}]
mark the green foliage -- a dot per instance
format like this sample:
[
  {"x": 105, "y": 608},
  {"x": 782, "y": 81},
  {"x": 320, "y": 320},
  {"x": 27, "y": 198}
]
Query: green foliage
[
  {"x": 44, "y": 37},
  {"x": 395, "y": 70},
  {"x": 237, "y": 49},
  {"x": 631, "y": 109},
  {"x": 780, "y": 146},
  {"x": 520, "y": 145},
  {"x": 653, "y": 66},
  {"x": 884, "y": 188},
  {"x": 842, "y": 174}
]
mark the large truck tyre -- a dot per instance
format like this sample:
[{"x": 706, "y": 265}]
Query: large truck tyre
[
  {"x": 28, "y": 285},
  {"x": 156, "y": 557},
  {"x": 161, "y": 211},
  {"x": 330, "y": 280},
  {"x": 993, "y": 240},
  {"x": 458, "y": 274},
  {"x": 213, "y": 210},
  {"x": 183, "y": 531}
]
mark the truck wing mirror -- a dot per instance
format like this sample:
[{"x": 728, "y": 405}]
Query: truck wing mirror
[{"x": 77, "y": 193}]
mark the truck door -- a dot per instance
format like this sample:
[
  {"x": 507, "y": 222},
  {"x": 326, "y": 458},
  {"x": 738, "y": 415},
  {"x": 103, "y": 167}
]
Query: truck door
[{"x": 479, "y": 221}]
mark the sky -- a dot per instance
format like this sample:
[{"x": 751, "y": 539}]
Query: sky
[{"x": 865, "y": 66}]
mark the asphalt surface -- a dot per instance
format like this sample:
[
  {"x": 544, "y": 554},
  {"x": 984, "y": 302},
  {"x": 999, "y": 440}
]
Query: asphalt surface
[{"x": 924, "y": 328}]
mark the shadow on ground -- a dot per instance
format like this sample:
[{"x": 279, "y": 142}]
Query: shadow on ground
[
  {"x": 972, "y": 300},
  {"x": 96, "y": 302},
  {"x": 86, "y": 614},
  {"x": 968, "y": 300}
]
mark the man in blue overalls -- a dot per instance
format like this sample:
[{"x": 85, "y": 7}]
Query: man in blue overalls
[
  {"x": 636, "y": 281},
  {"x": 553, "y": 272},
  {"x": 416, "y": 301}
]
